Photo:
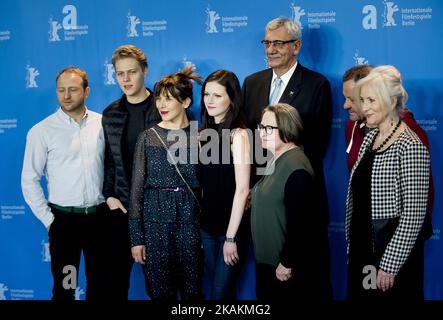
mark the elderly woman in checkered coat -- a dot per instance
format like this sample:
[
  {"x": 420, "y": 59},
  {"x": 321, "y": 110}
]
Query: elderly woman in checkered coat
[{"x": 387, "y": 196}]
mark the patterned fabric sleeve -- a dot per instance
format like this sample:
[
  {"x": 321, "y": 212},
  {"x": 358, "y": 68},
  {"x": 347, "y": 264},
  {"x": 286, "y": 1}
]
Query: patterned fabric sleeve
[
  {"x": 348, "y": 213},
  {"x": 137, "y": 193},
  {"x": 414, "y": 183}
]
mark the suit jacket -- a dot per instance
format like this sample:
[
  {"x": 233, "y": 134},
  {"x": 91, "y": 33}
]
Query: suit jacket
[
  {"x": 310, "y": 93},
  {"x": 307, "y": 91}
]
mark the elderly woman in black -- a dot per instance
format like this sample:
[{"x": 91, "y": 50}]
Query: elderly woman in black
[
  {"x": 283, "y": 217},
  {"x": 387, "y": 196}
]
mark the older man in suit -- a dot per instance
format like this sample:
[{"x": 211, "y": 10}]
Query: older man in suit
[{"x": 287, "y": 81}]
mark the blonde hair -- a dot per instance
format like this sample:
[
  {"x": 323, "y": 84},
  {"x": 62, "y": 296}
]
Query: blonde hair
[{"x": 130, "y": 51}]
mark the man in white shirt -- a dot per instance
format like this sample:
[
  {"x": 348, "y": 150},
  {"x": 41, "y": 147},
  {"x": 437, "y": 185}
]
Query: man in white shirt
[{"x": 68, "y": 149}]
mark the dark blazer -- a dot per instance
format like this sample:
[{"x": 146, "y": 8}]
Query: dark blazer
[
  {"x": 310, "y": 93},
  {"x": 115, "y": 183},
  {"x": 307, "y": 91}
]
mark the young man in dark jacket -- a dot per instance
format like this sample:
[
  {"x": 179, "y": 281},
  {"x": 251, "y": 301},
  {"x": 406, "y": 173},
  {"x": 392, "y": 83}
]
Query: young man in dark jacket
[{"x": 123, "y": 120}]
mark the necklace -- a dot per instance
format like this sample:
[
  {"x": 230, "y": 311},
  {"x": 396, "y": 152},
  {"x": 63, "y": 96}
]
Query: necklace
[{"x": 387, "y": 138}]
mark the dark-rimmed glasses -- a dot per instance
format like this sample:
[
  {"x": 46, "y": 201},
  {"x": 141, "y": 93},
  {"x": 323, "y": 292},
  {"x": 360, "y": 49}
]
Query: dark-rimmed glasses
[
  {"x": 277, "y": 43},
  {"x": 267, "y": 129}
]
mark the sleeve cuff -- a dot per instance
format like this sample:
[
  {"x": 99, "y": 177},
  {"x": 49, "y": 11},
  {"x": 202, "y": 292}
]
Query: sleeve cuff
[
  {"x": 47, "y": 218},
  {"x": 136, "y": 232}
]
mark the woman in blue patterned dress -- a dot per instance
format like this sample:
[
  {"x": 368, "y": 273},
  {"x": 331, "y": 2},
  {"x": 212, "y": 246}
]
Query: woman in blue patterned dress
[{"x": 164, "y": 211}]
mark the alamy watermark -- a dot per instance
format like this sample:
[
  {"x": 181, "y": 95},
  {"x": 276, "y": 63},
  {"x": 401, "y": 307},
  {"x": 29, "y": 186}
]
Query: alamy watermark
[{"x": 205, "y": 148}]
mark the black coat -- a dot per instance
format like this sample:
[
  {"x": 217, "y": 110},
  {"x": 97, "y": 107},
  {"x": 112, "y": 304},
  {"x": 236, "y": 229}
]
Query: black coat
[
  {"x": 115, "y": 182},
  {"x": 307, "y": 91}
]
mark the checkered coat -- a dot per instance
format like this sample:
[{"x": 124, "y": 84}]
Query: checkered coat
[{"x": 399, "y": 189}]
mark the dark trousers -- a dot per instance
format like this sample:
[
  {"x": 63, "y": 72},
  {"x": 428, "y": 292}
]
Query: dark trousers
[
  {"x": 300, "y": 290},
  {"x": 119, "y": 255},
  {"x": 270, "y": 289},
  {"x": 220, "y": 279},
  {"x": 69, "y": 235}
]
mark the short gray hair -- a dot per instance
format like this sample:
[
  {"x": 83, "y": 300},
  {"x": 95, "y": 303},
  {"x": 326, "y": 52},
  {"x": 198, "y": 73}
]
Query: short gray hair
[{"x": 292, "y": 27}]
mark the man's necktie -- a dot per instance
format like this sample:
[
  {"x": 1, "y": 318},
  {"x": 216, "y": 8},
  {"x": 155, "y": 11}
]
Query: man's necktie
[{"x": 274, "y": 95}]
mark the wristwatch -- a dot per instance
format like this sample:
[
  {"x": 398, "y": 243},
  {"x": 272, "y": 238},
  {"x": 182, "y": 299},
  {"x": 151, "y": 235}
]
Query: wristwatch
[{"x": 231, "y": 240}]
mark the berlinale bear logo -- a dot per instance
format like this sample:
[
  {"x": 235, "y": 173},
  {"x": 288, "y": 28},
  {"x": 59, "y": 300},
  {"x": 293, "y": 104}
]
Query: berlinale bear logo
[
  {"x": 297, "y": 13},
  {"x": 3, "y": 289},
  {"x": 109, "y": 73},
  {"x": 133, "y": 21},
  {"x": 31, "y": 74},
  {"x": 212, "y": 17},
  {"x": 370, "y": 20},
  {"x": 69, "y": 22}
]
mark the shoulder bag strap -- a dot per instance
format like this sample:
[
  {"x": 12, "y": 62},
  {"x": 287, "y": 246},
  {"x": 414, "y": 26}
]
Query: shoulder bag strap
[{"x": 176, "y": 167}]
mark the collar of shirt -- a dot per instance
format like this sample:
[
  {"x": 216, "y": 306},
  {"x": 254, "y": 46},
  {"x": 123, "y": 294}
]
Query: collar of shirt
[
  {"x": 284, "y": 77},
  {"x": 66, "y": 118}
]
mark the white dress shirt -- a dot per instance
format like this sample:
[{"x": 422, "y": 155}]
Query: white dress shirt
[
  {"x": 285, "y": 80},
  {"x": 70, "y": 156}
]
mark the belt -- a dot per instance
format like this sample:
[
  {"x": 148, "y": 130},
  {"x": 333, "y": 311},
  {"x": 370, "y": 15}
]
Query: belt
[
  {"x": 85, "y": 210},
  {"x": 173, "y": 189}
]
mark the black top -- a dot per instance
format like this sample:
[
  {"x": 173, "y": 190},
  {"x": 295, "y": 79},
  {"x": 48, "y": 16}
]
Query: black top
[
  {"x": 361, "y": 248},
  {"x": 217, "y": 180},
  {"x": 298, "y": 203},
  {"x": 135, "y": 124},
  {"x": 361, "y": 233}
]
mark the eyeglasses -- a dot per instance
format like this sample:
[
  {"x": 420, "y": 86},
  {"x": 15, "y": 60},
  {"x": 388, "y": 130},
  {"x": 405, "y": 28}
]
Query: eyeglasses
[
  {"x": 277, "y": 43},
  {"x": 267, "y": 129}
]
